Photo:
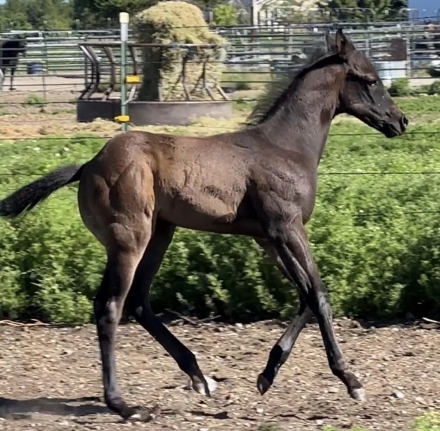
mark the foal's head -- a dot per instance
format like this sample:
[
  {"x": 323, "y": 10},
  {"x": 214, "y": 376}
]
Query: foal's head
[{"x": 362, "y": 93}]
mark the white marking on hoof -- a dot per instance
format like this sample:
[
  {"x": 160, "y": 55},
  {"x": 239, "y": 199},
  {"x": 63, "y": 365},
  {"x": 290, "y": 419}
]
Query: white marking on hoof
[
  {"x": 136, "y": 416},
  {"x": 262, "y": 384},
  {"x": 358, "y": 394},
  {"x": 200, "y": 387}
]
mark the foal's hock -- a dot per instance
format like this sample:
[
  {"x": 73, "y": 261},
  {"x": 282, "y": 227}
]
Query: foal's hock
[{"x": 259, "y": 182}]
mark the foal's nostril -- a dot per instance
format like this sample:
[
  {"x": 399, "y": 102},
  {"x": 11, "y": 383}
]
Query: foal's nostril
[{"x": 404, "y": 122}]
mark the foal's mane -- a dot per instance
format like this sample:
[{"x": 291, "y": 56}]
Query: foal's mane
[{"x": 278, "y": 90}]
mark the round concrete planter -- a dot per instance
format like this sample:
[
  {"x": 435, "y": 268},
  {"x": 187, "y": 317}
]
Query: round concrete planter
[{"x": 150, "y": 113}]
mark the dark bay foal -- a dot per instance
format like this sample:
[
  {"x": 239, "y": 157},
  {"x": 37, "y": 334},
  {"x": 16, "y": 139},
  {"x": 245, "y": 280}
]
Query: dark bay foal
[{"x": 259, "y": 182}]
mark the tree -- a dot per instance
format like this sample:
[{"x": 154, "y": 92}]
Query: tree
[
  {"x": 99, "y": 13},
  {"x": 49, "y": 14},
  {"x": 102, "y": 13},
  {"x": 225, "y": 14},
  {"x": 364, "y": 10},
  {"x": 35, "y": 14}
]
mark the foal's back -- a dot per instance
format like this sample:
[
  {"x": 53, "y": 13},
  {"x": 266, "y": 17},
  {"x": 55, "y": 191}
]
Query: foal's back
[{"x": 192, "y": 182}]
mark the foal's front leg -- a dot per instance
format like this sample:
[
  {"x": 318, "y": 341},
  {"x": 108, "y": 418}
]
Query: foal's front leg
[
  {"x": 11, "y": 88},
  {"x": 284, "y": 346},
  {"x": 139, "y": 305},
  {"x": 290, "y": 241}
]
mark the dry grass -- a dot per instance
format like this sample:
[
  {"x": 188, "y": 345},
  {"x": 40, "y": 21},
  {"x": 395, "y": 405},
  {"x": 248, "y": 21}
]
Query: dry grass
[{"x": 30, "y": 122}]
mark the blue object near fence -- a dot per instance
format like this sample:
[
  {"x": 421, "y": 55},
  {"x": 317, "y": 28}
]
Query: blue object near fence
[{"x": 34, "y": 68}]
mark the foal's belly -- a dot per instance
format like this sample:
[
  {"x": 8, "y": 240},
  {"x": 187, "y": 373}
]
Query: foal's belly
[{"x": 210, "y": 211}]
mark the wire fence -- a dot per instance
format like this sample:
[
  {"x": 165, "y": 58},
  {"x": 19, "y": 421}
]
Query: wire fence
[
  {"x": 258, "y": 50},
  {"x": 55, "y": 62}
]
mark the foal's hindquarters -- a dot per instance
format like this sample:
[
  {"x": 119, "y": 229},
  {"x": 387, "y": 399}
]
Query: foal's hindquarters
[{"x": 118, "y": 205}]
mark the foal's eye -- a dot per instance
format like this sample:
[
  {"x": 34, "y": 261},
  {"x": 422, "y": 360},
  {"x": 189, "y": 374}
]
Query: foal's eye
[{"x": 372, "y": 83}]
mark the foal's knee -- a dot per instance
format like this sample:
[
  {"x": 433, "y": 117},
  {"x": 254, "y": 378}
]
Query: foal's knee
[{"x": 106, "y": 312}]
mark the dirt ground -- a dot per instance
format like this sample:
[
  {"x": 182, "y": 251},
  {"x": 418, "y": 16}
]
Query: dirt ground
[{"x": 50, "y": 378}]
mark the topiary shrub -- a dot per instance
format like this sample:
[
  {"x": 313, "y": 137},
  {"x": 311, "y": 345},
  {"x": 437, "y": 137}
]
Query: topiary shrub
[{"x": 180, "y": 23}]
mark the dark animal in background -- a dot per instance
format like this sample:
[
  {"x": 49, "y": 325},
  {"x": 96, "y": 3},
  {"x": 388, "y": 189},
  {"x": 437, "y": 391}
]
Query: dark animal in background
[
  {"x": 10, "y": 49},
  {"x": 259, "y": 182}
]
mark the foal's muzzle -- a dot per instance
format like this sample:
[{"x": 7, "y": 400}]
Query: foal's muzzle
[{"x": 396, "y": 126}]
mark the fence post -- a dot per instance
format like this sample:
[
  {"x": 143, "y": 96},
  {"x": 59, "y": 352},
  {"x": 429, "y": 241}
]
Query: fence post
[
  {"x": 42, "y": 38},
  {"x": 124, "y": 20}
]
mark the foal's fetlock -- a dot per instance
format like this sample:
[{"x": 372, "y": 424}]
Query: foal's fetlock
[{"x": 354, "y": 386}]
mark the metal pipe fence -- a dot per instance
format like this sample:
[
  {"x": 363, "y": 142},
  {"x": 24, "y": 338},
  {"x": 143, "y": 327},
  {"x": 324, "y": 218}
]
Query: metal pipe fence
[{"x": 256, "y": 50}]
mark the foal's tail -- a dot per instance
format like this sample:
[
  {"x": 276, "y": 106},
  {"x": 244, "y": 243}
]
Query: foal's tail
[{"x": 30, "y": 195}]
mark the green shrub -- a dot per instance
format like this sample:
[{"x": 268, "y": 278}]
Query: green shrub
[
  {"x": 400, "y": 87},
  {"x": 35, "y": 100},
  {"x": 225, "y": 14},
  {"x": 434, "y": 88},
  {"x": 375, "y": 238}
]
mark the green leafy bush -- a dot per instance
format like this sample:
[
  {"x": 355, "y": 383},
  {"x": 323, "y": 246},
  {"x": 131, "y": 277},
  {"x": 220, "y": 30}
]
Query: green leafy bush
[
  {"x": 376, "y": 238},
  {"x": 400, "y": 87},
  {"x": 225, "y": 14},
  {"x": 434, "y": 88},
  {"x": 35, "y": 100}
]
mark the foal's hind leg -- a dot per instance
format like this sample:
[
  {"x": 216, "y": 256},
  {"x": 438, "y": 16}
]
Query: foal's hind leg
[
  {"x": 2, "y": 77},
  {"x": 283, "y": 347},
  {"x": 290, "y": 241},
  {"x": 120, "y": 216},
  {"x": 139, "y": 305},
  {"x": 108, "y": 304}
]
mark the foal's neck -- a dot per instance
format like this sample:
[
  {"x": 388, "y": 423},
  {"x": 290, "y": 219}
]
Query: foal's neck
[{"x": 302, "y": 123}]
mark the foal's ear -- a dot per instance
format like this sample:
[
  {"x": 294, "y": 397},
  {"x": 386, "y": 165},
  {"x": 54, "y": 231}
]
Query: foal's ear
[
  {"x": 329, "y": 41},
  {"x": 343, "y": 44}
]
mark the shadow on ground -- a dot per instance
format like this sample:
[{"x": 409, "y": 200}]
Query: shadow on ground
[{"x": 22, "y": 409}]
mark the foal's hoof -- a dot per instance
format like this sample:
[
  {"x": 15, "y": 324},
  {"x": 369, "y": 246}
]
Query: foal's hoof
[
  {"x": 263, "y": 384},
  {"x": 199, "y": 386},
  {"x": 358, "y": 394}
]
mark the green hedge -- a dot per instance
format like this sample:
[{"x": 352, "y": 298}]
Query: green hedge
[{"x": 376, "y": 239}]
